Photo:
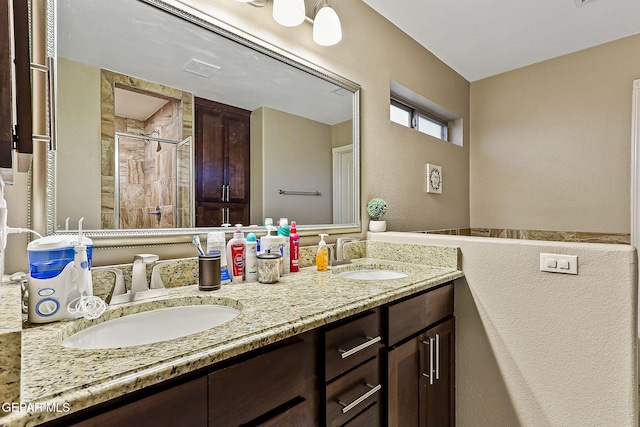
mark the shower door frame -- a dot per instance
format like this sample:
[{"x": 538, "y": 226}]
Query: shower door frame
[{"x": 116, "y": 192}]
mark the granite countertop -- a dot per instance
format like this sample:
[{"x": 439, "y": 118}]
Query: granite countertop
[{"x": 76, "y": 379}]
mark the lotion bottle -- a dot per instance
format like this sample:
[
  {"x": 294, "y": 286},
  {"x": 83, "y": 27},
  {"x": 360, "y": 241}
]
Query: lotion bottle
[
  {"x": 251, "y": 265},
  {"x": 236, "y": 252},
  {"x": 322, "y": 256},
  {"x": 295, "y": 248},
  {"x": 283, "y": 232}
]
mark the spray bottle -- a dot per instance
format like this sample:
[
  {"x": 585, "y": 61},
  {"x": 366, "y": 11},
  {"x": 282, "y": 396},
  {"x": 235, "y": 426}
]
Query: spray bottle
[{"x": 295, "y": 248}]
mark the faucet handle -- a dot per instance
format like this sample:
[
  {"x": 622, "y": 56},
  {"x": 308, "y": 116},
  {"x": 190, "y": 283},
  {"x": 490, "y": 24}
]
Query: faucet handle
[
  {"x": 156, "y": 279},
  {"x": 119, "y": 287}
]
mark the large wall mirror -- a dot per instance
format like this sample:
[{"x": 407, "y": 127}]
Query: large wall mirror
[{"x": 168, "y": 121}]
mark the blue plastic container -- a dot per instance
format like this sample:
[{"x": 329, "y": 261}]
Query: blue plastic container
[{"x": 48, "y": 256}]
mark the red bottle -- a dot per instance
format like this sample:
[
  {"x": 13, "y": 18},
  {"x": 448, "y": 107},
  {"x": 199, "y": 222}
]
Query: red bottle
[{"x": 294, "y": 253}]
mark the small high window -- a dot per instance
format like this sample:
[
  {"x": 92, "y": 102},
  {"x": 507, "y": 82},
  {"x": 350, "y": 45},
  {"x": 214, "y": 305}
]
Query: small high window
[
  {"x": 414, "y": 111},
  {"x": 415, "y": 118}
]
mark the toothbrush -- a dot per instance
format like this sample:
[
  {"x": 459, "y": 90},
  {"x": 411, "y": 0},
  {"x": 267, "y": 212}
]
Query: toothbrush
[{"x": 196, "y": 242}]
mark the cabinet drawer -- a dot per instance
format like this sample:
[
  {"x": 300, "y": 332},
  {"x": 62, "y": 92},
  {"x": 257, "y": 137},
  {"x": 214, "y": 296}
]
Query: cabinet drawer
[
  {"x": 244, "y": 391},
  {"x": 352, "y": 393},
  {"x": 348, "y": 345},
  {"x": 415, "y": 314},
  {"x": 300, "y": 414},
  {"x": 369, "y": 418}
]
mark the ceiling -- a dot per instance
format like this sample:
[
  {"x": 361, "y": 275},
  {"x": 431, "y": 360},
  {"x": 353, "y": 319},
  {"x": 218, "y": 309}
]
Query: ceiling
[
  {"x": 143, "y": 41},
  {"x": 482, "y": 38}
]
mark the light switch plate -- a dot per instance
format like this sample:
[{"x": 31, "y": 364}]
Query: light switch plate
[{"x": 559, "y": 263}]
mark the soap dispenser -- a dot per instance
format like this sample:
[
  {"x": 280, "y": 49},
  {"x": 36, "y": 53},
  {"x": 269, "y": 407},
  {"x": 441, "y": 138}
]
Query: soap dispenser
[{"x": 322, "y": 256}]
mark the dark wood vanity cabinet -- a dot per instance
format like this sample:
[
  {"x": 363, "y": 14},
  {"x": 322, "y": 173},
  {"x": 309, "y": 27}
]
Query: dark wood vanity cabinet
[
  {"x": 222, "y": 140},
  {"x": 393, "y": 365},
  {"x": 352, "y": 389},
  {"x": 277, "y": 387},
  {"x": 421, "y": 360}
]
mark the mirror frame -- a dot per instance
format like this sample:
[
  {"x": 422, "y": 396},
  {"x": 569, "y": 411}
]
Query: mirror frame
[{"x": 43, "y": 184}]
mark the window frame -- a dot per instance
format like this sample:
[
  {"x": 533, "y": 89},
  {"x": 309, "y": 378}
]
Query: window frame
[{"x": 417, "y": 112}]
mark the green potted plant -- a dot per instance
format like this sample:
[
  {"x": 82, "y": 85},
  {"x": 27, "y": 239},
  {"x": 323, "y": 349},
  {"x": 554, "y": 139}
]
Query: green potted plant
[{"x": 376, "y": 208}]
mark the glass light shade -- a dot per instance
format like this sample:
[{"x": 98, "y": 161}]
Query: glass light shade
[
  {"x": 327, "y": 30},
  {"x": 245, "y": 1},
  {"x": 289, "y": 12}
]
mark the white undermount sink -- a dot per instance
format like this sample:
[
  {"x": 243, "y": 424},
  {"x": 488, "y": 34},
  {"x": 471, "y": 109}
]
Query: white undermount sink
[
  {"x": 151, "y": 326},
  {"x": 372, "y": 274}
]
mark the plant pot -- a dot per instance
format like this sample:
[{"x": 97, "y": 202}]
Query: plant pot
[{"x": 377, "y": 226}]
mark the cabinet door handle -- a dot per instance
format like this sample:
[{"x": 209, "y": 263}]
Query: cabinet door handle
[
  {"x": 346, "y": 407},
  {"x": 437, "y": 356},
  {"x": 222, "y": 195},
  {"x": 370, "y": 341},
  {"x": 431, "y": 370},
  {"x": 227, "y": 192}
]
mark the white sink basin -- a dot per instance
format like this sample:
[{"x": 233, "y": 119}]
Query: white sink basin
[
  {"x": 151, "y": 326},
  {"x": 372, "y": 274}
]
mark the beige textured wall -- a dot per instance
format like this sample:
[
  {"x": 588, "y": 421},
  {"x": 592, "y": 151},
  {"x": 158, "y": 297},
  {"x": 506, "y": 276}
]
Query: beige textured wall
[
  {"x": 542, "y": 349},
  {"x": 372, "y": 53},
  {"x": 342, "y": 134},
  {"x": 78, "y": 132},
  {"x": 550, "y": 143},
  {"x": 287, "y": 167}
]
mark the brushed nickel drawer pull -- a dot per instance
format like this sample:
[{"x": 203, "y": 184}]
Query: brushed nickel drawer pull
[
  {"x": 437, "y": 356},
  {"x": 346, "y": 407},
  {"x": 371, "y": 341},
  {"x": 431, "y": 370}
]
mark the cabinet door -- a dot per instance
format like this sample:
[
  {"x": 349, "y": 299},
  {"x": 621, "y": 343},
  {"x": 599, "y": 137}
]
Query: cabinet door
[
  {"x": 210, "y": 155},
  {"x": 237, "y": 146},
  {"x": 403, "y": 385},
  {"x": 216, "y": 214},
  {"x": 437, "y": 346},
  {"x": 249, "y": 390},
  {"x": 183, "y": 405}
]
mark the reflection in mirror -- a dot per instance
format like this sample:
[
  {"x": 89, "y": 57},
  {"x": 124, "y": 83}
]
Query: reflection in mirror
[{"x": 163, "y": 123}]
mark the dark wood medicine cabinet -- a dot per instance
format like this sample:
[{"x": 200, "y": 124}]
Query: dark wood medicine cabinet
[{"x": 15, "y": 71}]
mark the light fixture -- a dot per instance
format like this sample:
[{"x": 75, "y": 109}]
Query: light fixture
[
  {"x": 327, "y": 30},
  {"x": 289, "y": 13}
]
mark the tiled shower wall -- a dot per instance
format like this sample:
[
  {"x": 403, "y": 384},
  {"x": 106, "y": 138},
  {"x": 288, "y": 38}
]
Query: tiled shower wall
[
  {"x": 171, "y": 128},
  {"x": 148, "y": 170}
]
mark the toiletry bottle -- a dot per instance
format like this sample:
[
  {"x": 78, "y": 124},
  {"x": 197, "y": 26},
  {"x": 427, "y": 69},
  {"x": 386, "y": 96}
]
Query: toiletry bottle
[
  {"x": 294, "y": 238},
  {"x": 217, "y": 244},
  {"x": 283, "y": 231},
  {"x": 272, "y": 245},
  {"x": 251, "y": 264},
  {"x": 268, "y": 243},
  {"x": 322, "y": 256},
  {"x": 236, "y": 249}
]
